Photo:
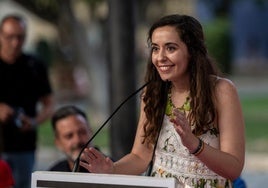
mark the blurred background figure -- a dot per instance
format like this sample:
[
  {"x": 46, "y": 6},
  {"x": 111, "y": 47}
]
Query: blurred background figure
[
  {"x": 6, "y": 178},
  {"x": 239, "y": 183},
  {"x": 24, "y": 86},
  {"x": 72, "y": 131}
]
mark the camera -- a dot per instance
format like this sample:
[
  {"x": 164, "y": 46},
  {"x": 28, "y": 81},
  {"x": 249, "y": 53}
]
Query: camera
[{"x": 19, "y": 112}]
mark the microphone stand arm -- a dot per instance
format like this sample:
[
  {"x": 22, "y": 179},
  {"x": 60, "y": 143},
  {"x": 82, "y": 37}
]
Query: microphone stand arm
[{"x": 77, "y": 160}]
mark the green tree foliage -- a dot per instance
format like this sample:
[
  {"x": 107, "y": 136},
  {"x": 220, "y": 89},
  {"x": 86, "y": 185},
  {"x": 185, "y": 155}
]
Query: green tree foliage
[{"x": 218, "y": 40}]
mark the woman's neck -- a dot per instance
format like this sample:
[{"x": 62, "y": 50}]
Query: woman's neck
[{"x": 180, "y": 86}]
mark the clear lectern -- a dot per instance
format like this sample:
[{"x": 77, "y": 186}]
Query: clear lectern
[{"x": 47, "y": 179}]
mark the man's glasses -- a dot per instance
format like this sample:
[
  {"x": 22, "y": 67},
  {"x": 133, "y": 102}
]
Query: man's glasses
[{"x": 10, "y": 37}]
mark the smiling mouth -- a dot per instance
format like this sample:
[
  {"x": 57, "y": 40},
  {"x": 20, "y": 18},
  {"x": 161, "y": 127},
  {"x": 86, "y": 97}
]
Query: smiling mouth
[{"x": 164, "y": 68}]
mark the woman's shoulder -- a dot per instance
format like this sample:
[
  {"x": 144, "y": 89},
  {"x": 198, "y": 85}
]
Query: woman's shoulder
[
  {"x": 224, "y": 87},
  {"x": 223, "y": 83}
]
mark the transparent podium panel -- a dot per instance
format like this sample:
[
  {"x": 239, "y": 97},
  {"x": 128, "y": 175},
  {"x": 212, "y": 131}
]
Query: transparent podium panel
[{"x": 47, "y": 179}]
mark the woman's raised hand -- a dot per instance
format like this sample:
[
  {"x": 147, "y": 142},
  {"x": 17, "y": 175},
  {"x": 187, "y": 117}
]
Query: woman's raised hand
[
  {"x": 94, "y": 161},
  {"x": 183, "y": 128}
]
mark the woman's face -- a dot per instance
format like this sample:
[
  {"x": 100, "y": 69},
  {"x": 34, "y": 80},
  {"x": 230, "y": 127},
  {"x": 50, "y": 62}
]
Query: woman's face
[{"x": 169, "y": 54}]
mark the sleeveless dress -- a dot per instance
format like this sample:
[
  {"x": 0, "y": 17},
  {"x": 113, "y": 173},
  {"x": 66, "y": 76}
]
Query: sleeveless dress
[{"x": 172, "y": 159}]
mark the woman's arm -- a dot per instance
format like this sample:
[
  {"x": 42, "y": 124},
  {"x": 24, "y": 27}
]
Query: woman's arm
[
  {"x": 138, "y": 160},
  {"x": 229, "y": 160},
  {"x": 134, "y": 163}
]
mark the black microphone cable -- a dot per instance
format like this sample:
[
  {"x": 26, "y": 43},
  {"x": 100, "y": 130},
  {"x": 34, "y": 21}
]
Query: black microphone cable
[{"x": 76, "y": 162}]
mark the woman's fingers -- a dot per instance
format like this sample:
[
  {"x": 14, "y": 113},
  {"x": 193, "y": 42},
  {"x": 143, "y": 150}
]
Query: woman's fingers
[
  {"x": 180, "y": 122},
  {"x": 95, "y": 161},
  {"x": 95, "y": 153}
]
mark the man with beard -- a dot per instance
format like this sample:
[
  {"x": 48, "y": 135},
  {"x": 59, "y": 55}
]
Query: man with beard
[{"x": 72, "y": 131}]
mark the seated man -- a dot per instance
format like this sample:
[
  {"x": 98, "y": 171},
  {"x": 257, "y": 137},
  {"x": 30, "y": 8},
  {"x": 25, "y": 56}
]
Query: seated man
[{"x": 72, "y": 131}]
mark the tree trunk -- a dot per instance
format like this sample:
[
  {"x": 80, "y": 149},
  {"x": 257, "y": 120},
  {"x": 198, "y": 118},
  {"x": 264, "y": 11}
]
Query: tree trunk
[{"x": 123, "y": 81}]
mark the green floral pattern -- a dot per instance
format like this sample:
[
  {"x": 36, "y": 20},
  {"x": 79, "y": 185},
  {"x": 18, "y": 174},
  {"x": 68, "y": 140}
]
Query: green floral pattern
[
  {"x": 170, "y": 106},
  {"x": 172, "y": 159}
]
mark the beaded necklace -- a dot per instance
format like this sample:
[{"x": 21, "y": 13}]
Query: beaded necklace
[{"x": 170, "y": 106}]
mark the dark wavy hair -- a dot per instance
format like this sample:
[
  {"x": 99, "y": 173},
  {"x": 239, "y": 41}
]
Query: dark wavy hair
[{"x": 201, "y": 68}]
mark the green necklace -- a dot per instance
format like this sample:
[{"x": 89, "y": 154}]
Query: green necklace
[{"x": 170, "y": 106}]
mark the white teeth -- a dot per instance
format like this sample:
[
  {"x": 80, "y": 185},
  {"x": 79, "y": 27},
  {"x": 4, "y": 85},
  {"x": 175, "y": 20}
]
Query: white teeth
[{"x": 164, "y": 68}]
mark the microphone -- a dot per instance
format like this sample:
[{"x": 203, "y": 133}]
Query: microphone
[{"x": 76, "y": 162}]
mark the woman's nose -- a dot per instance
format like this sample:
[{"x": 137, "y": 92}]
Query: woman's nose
[{"x": 161, "y": 55}]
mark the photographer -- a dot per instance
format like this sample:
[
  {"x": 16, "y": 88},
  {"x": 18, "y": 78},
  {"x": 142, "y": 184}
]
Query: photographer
[{"x": 24, "y": 86}]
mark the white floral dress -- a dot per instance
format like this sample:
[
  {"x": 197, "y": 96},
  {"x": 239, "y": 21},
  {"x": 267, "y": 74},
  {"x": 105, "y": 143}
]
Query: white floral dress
[{"x": 172, "y": 159}]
